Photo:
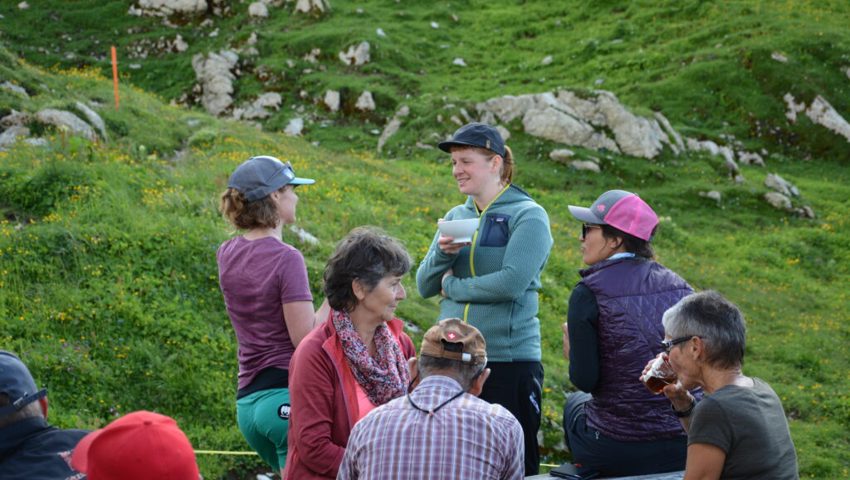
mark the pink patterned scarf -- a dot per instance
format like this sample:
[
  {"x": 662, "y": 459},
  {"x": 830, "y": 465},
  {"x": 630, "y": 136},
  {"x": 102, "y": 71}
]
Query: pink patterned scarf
[{"x": 384, "y": 378}]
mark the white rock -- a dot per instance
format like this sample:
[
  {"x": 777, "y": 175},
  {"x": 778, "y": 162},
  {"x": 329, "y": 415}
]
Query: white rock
[
  {"x": 553, "y": 124},
  {"x": 66, "y": 120},
  {"x": 793, "y": 107},
  {"x": 23, "y": 5},
  {"x": 847, "y": 71},
  {"x": 15, "y": 118},
  {"x": 504, "y": 132},
  {"x": 313, "y": 56},
  {"x": 380, "y": 32},
  {"x": 459, "y": 62},
  {"x": 678, "y": 145},
  {"x": 93, "y": 118},
  {"x": 547, "y": 60},
  {"x": 456, "y": 120},
  {"x": 775, "y": 182},
  {"x": 585, "y": 165},
  {"x": 712, "y": 195},
  {"x": 392, "y": 126},
  {"x": 269, "y": 100},
  {"x": 213, "y": 72},
  {"x": 304, "y": 237},
  {"x": 12, "y": 134},
  {"x": 312, "y": 6},
  {"x": 435, "y": 25},
  {"x": 356, "y": 54},
  {"x": 806, "y": 212},
  {"x": 331, "y": 100},
  {"x": 37, "y": 142},
  {"x": 258, "y": 9},
  {"x": 135, "y": 66},
  {"x": 822, "y": 113},
  {"x": 561, "y": 155},
  {"x": 779, "y": 57},
  {"x": 777, "y": 200},
  {"x": 7, "y": 85},
  {"x": 179, "y": 44},
  {"x": 365, "y": 102},
  {"x": 750, "y": 158},
  {"x": 294, "y": 127},
  {"x": 165, "y": 8}
]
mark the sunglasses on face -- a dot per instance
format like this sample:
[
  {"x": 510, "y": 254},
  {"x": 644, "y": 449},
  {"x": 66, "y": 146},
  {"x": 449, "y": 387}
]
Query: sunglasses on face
[
  {"x": 585, "y": 227},
  {"x": 669, "y": 344}
]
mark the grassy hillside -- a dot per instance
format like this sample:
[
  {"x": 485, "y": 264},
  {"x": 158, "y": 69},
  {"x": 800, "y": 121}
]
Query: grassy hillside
[{"x": 107, "y": 277}]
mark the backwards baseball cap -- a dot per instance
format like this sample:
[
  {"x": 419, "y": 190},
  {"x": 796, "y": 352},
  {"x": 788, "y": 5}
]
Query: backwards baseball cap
[
  {"x": 259, "y": 176},
  {"x": 623, "y": 210},
  {"x": 137, "y": 446},
  {"x": 475, "y": 135},
  {"x": 455, "y": 340},
  {"x": 17, "y": 383}
]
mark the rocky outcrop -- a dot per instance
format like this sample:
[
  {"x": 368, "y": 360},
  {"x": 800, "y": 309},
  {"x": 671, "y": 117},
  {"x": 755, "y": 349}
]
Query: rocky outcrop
[
  {"x": 7, "y": 85},
  {"x": 214, "y": 75},
  {"x": 165, "y": 8},
  {"x": 64, "y": 120},
  {"x": 365, "y": 102},
  {"x": 294, "y": 127},
  {"x": 779, "y": 184},
  {"x": 259, "y": 108},
  {"x": 820, "y": 112},
  {"x": 12, "y": 134},
  {"x": 331, "y": 100},
  {"x": 567, "y": 118},
  {"x": 258, "y": 10},
  {"x": 93, "y": 119},
  {"x": 316, "y": 7}
]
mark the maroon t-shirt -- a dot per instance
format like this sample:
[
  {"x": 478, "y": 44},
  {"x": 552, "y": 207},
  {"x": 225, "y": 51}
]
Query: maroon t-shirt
[{"x": 257, "y": 277}]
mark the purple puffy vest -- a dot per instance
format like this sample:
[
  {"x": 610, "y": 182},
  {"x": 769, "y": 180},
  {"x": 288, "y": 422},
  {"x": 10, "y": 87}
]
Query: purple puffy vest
[{"x": 632, "y": 295}]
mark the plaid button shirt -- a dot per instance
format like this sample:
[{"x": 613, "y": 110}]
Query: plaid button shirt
[{"x": 468, "y": 438}]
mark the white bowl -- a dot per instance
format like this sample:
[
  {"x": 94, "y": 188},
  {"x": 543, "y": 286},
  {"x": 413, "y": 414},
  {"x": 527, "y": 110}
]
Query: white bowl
[{"x": 460, "y": 230}]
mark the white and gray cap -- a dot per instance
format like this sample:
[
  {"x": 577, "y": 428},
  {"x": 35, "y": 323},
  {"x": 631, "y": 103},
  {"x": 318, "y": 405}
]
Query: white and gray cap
[{"x": 259, "y": 176}]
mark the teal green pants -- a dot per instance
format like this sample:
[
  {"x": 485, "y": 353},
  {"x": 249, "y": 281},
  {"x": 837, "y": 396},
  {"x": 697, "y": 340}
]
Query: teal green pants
[{"x": 263, "y": 419}]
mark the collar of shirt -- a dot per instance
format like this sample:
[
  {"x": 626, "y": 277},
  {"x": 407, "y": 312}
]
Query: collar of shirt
[{"x": 621, "y": 255}]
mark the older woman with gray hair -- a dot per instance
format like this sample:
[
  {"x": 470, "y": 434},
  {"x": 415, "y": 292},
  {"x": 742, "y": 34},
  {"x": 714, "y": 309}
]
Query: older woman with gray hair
[
  {"x": 739, "y": 429},
  {"x": 356, "y": 360}
]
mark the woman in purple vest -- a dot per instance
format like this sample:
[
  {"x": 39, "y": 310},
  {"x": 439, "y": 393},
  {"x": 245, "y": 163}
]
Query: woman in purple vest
[
  {"x": 267, "y": 295},
  {"x": 614, "y": 425}
]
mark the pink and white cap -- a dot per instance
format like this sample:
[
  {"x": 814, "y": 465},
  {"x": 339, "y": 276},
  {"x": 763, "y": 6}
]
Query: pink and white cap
[{"x": 623, "y": 210}]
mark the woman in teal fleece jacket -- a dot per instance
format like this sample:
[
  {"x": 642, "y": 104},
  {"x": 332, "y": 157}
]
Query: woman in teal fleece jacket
[{"x": 492, "y": 282}]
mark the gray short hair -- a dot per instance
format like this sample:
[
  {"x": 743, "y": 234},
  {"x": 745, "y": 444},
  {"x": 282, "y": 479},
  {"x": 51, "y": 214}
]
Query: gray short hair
[
  {"x": 716, "y": 320},
  {"x": 31, "y": 410},
  {"x": 465, "y": 373}
]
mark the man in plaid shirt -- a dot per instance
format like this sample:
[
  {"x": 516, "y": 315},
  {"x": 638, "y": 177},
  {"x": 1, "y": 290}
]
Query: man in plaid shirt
[{"x": 441, "y": 429}]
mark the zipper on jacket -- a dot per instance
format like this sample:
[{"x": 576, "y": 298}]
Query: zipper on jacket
[{"x": 474, "y": 241}]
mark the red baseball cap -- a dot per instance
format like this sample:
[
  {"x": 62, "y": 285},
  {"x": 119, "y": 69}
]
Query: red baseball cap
[{"x": 138, "y": 446}]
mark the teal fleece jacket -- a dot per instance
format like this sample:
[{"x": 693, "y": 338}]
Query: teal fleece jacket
[{"x": 495, "y": 280}]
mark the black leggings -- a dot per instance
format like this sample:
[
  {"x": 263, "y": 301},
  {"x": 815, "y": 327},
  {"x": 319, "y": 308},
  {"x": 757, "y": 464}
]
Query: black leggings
[{"x": 518, "y": 386}]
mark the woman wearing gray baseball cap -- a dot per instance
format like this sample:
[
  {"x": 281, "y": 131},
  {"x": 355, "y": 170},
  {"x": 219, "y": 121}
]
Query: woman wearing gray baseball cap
[
  {"x": 492, "y": 280},
  {"x": 267, "y": 295}
]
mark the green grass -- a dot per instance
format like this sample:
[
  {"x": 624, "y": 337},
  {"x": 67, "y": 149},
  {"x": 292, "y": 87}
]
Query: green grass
[{"x": 108, "y": 283}]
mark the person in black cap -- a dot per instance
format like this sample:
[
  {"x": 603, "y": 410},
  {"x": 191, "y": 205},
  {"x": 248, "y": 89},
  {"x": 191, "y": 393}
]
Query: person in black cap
[
  {"x": 492, "y": 280},
  {"x": 268, "y": 298},
  {"x": 29, "y": 447}
]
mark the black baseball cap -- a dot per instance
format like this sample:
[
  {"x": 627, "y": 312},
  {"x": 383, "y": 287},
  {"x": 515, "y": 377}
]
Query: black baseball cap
[
  {"x": 17, "y": 383},
  {"x": 475, "y": 135},
  {"x": 259, "y": 176}
]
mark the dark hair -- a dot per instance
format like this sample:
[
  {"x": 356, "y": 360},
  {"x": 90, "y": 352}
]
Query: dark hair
[
  {"x": 633, "y": 244},
  {"x": 507, "y": 173},
  {"x": 464, "y": 373},
  {"x": 717, "y": 321},
  {"x": 30, "y": 410},
  {"x": 366, "y": 254},
  {"x": 246, "y": 215}
]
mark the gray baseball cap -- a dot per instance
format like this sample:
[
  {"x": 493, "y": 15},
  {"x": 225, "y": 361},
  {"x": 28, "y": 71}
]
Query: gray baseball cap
[
  {"x": 259, "y": 176},
  {"x": 17, "y": 383}
]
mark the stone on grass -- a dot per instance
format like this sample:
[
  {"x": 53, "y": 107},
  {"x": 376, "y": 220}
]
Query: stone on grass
[
  {"x": 213, "y": 72},
  {"x": 23, "y": 5},
  {"x": 15, "y": 118},
  {"x": 504, "y": 132},
  {"x": 294, "y": 127},
  {"x": 258, "y": 9},
  {"x": 331, "y": 100},
  {"x": 93, "y": 118},
  {"x": 365, "y": 102},
  {"x": 712, "y": 195},
  {"x": 64, "y": 120},
  {"x": 779, "y": 57},
  {"x": 166, "y": 8},
  {"x": 778, "y": 200},
  {"x": 775, "y": 182},
  {"x": 459, "y": 62},
  {"x": 547, "y": 60},
  {"x": 380, "y": 32},
  {"x": 562, "y": 155},
  {"x": 585, "y": 165},
  {"x": 392, "y": 126},
  {"x": 356, "y": 54},
  {"x": 303, "y": 235},
  {"x": 312, "y": 6},
  {"x": 822, "y": 113},
  {"x": 12, "y": 134},
  {"x": 7, "y": 85}
]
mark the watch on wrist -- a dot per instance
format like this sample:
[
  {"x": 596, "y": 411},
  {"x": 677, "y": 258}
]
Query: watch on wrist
[{"x": 686, "y": 412}]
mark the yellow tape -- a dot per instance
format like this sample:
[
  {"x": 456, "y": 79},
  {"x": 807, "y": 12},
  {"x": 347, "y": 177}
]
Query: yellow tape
[{"x": 222, "y": 452}]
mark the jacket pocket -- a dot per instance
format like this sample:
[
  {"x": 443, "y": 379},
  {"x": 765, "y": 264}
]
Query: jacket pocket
[{"x": 496, "y": 231}]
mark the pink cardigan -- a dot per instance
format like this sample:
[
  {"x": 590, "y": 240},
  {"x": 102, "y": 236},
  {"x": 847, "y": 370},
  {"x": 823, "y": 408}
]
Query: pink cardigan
[{"x": 323, "y": 394}]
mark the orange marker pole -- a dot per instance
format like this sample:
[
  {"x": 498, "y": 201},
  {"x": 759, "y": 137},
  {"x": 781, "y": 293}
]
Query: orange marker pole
[{"x": 115, "y": 75}]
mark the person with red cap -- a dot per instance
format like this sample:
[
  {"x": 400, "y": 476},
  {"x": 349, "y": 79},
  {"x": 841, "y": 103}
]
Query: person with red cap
[
  {"x": 615, "y": 425},
  {"x": 30, "y": 448},
  {"x": 138, "y": 446}
]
